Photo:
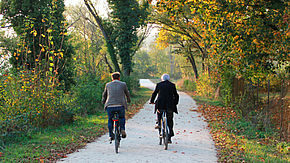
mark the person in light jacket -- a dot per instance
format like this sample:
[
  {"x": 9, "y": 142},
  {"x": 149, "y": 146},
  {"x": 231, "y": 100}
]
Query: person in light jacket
[{"x": 115, "y": 98}]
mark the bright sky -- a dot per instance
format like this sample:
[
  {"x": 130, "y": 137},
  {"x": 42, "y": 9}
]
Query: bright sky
[{"x": 101, "y": 5}]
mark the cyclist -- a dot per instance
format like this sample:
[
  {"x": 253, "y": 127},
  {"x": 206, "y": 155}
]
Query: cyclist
[
  {"x": 167, "y": 100},
  {"x": 114, "y": 98}
]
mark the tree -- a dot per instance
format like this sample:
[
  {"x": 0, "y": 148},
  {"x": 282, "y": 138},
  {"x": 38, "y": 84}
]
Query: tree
[
  {"x": 86, "y": 37},
  {"x": 180, "y": 28},
  {"x": 248, "y": 36},
  {"x": 120, "y": 30},
  {"x": 40, "y": 24}
]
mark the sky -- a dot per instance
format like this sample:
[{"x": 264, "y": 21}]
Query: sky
[{"x": 101, "y": 5}]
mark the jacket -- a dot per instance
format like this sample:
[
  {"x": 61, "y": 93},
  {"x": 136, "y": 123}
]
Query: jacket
[
  {"x": 115, "y": 93},
  {"x": 167, "y": 96}
]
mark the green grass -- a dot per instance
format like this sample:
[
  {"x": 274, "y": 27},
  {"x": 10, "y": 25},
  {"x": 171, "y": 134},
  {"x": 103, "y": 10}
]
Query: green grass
[
  {"x": 209, "y": 101},
  {"x": 256, "y": 151},
  {"x": 55, "y": 143}
]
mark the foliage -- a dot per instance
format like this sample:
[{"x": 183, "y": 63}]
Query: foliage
[
  {"x": 32, "y": 92},
  {"x": 142, "y": 65},
  {"x": 27, "y": 103},
  {"x": 90, "y": 51},
  {"x": 127, "y": 16},
  {"x": 40, "y": 26},
  {"x": 206, "y": 85},
  {"x": 234, "y": 38},
  {"x": 188, "y": 85},
  {"x": 87, "y": 94},
  {"x": 120, "y": 30}
]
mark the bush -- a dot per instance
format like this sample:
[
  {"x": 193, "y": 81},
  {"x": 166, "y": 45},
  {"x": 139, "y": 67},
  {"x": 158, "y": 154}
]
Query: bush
[
  {"x": 132, "y": 83},
  {"x": 87, "y": 94},
  {"x": 29, "y": 102},
  {"x": 189, "y": 85},
  {"x": 206, "y": 85}
]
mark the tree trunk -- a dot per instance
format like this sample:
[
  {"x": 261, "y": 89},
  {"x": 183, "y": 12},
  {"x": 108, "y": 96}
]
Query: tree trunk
[
  {"x": 109, "y": 45},
  {"x": 193, "y": 64},
  {"x": 108, "y": 64}
]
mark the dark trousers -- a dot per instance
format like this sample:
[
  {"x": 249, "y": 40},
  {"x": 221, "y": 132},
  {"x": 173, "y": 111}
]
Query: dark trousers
[
  {"x": 169, "y": 116},
  {"x": 121, "y": 112}
]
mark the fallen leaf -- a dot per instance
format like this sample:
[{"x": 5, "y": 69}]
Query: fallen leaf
[
  {"x": 174, "y": 151},
  {"x": 182, "y": 153}
]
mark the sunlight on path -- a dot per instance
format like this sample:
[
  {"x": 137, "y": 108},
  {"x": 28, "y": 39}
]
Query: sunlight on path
[{"x": 191, "y": 143}]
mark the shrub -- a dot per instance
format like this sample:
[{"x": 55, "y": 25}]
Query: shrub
[
  {"x": 189, "y": 85},
  {"x": 29, "y": 102},
  {"x": 132, "y": 83},
  {"x": 87, "y": 94},
  {"x": 205, "y": 85}
]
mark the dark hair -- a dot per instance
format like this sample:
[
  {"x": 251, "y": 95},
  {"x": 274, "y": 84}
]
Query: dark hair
[{"x": 115, "y": 75}]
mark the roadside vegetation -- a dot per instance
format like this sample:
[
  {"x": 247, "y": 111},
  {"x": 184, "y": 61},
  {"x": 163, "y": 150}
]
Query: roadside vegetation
[{"x": 54, "y": 143}]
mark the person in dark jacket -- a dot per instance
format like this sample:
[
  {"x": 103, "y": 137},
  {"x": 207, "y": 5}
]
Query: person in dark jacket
[{"x": 167, "y": 100}]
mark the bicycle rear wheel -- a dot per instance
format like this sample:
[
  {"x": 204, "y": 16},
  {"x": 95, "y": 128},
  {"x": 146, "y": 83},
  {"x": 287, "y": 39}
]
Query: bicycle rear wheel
[
  {"x": 165, "y": 133},
  {"x": 160, "y": 132}
]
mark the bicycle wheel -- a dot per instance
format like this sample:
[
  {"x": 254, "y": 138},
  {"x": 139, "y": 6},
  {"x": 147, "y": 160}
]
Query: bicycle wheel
[
  {"x": 117, "y": 139},
  {"x": 165, "y": 133},
  {"x": 160, "y": 132}
]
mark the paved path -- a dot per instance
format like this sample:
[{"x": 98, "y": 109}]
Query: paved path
[{"x": 191, "y": 143}]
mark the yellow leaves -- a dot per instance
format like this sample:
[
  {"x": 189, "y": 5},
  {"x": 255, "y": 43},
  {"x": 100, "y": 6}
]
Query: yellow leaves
[
  {"x": 34, "y": 32},
  {"x": 236, "y": 37},
  {"x": 61, "y": 33},
  {"x": 49, "y": 30},
  {"x": 255, "y": 41}
]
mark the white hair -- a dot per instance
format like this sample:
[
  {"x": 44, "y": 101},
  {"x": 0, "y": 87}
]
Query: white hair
[{"x": 165, "y": 77}]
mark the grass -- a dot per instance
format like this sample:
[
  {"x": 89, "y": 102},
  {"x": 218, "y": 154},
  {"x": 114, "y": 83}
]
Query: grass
[
  {"x": 238, "y": 140},
  {"x": 209, "y": 101},
  {"x": 55, "y": 143}
]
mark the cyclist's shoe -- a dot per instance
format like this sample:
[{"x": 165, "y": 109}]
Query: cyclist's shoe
[
  {"x": 169, "y": 140},
  {"x": 124, "y": 135},
  {"x": 157, "y": 126},
  {"x": 111, "y": 138}
]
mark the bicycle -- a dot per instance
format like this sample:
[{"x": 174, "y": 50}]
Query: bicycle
[
  {"x": 164, "y": 130},
  {"x": 116, "y": 131}
]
